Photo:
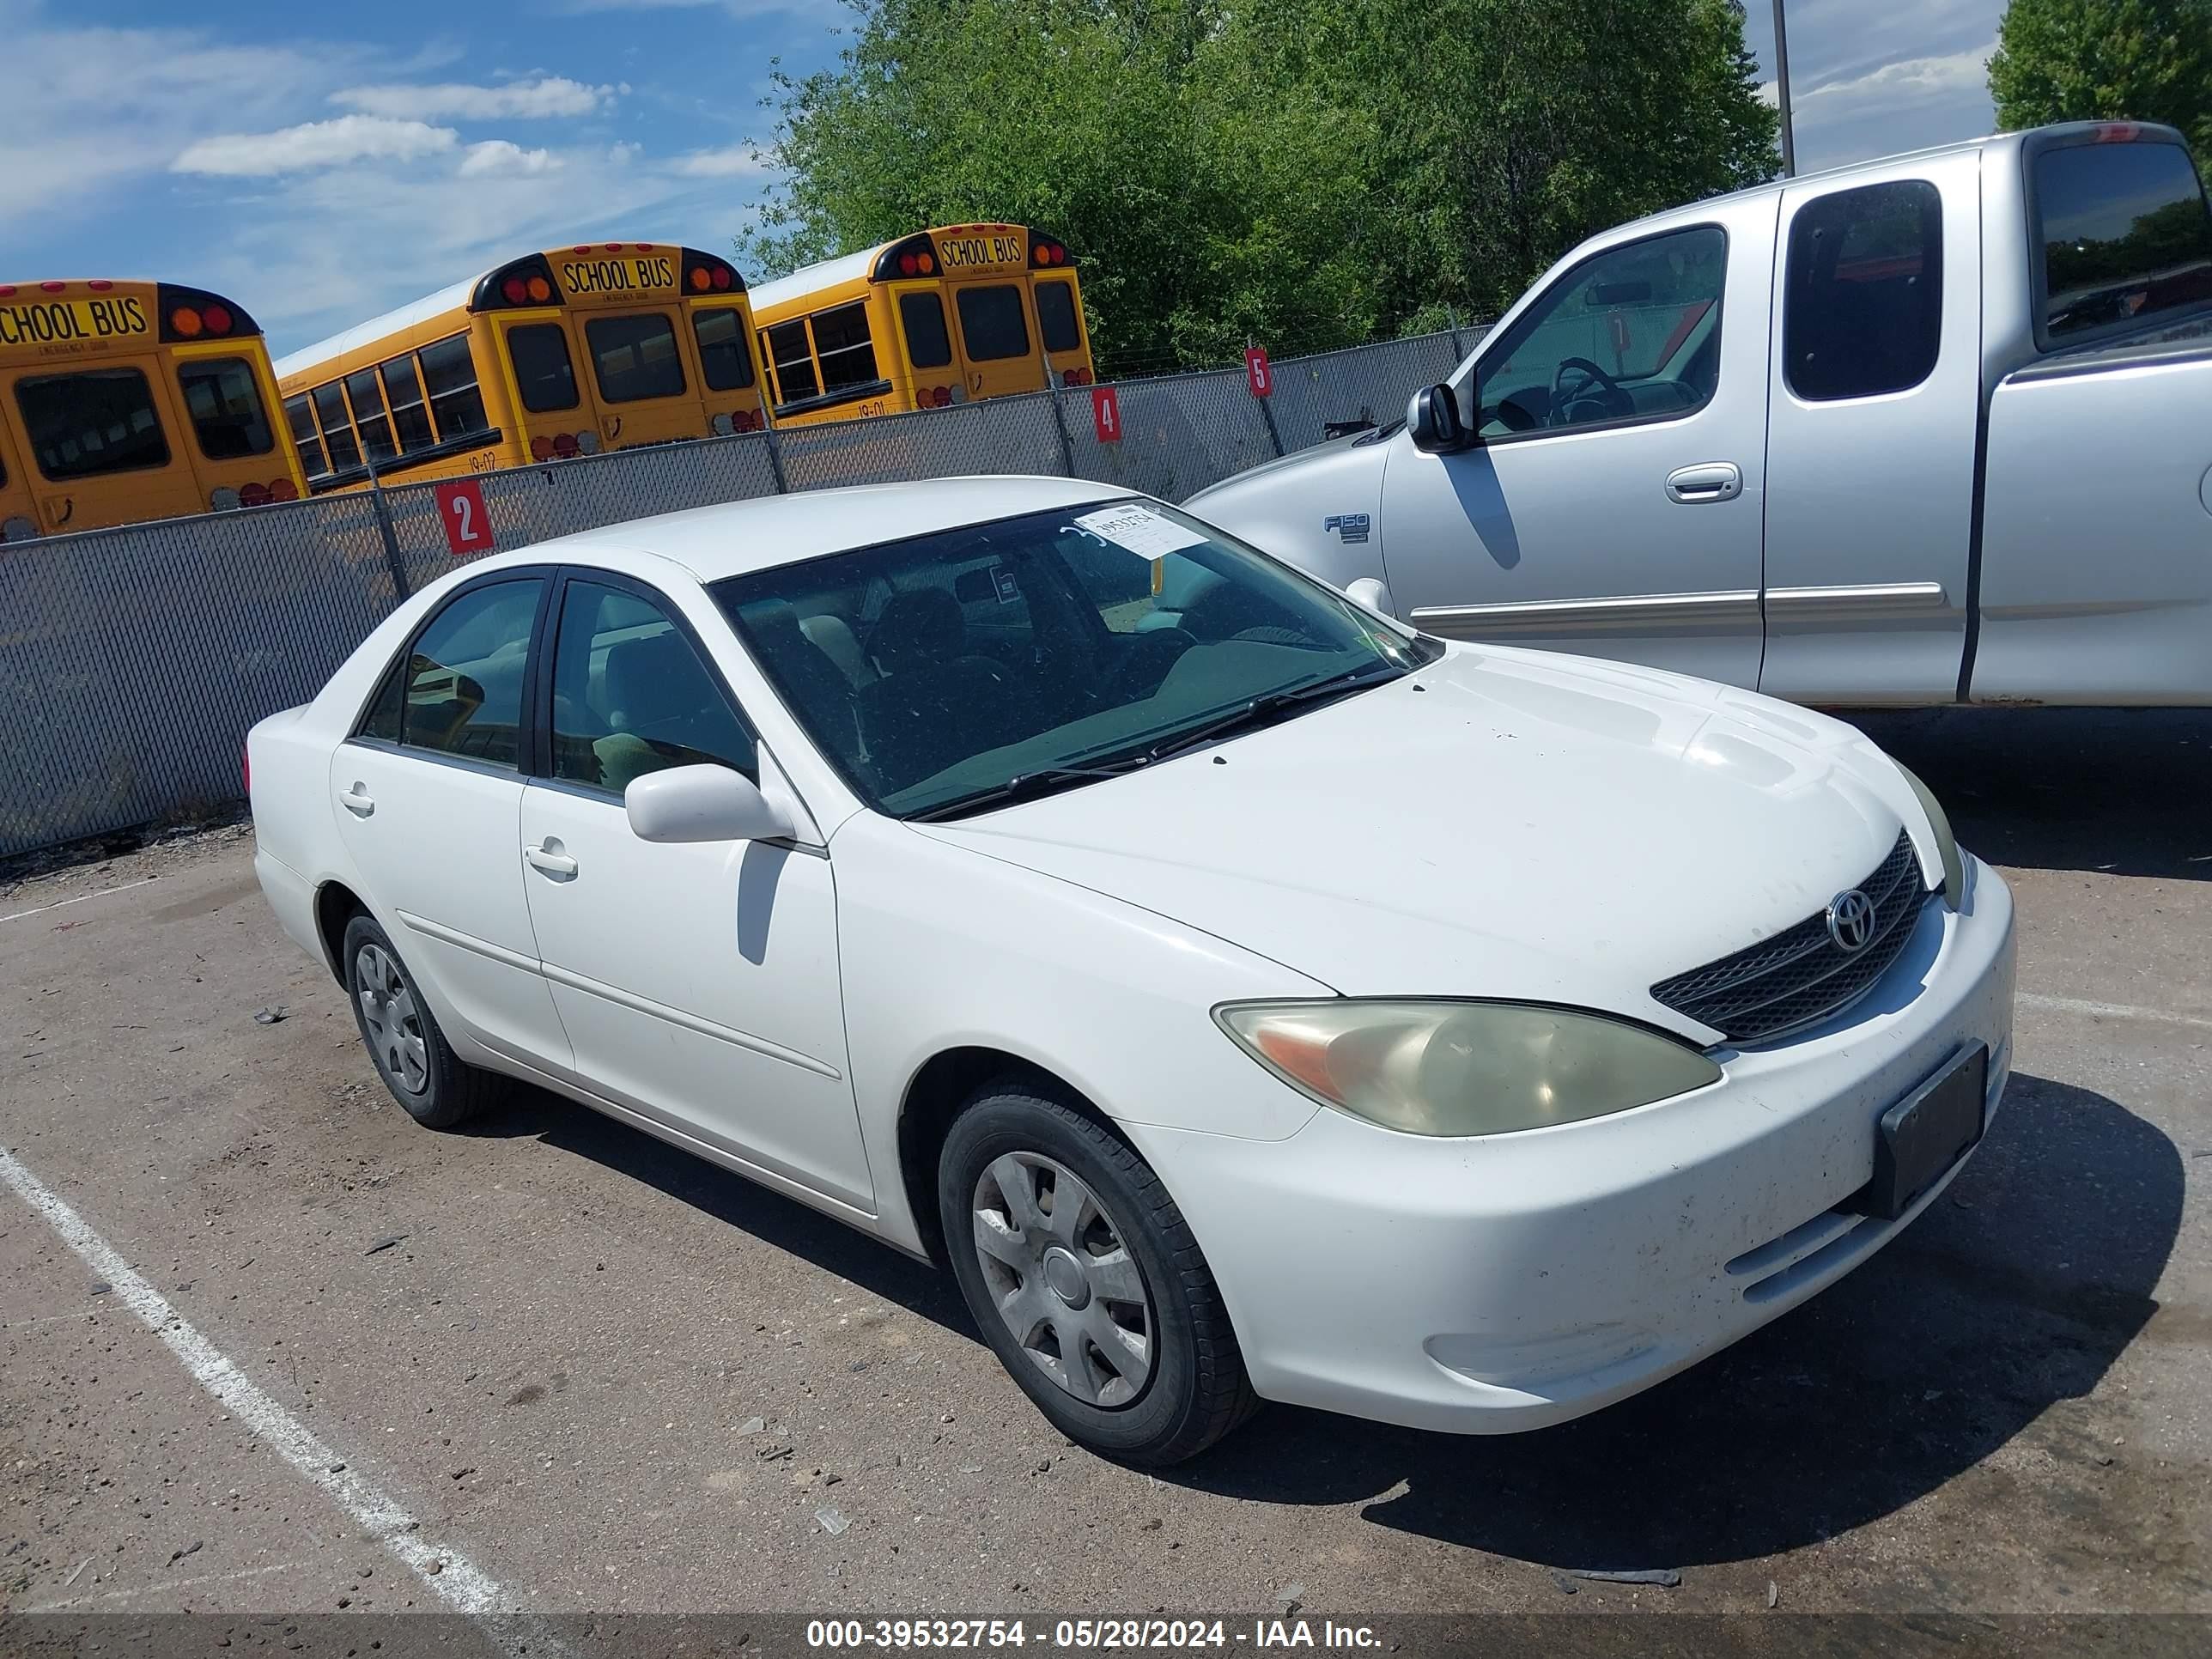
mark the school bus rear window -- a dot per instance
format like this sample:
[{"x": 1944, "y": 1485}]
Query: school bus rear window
[
  {"x": 928, "y": 344},
  {"x": 542, "y": 369},
  {"x": 991, "y": 322},
  {"x": 1055, "y": 304},
  {"x": 723, "y": 358},
  {"x": 635, "y": 357},
  {"x": 95, "y": 421},
  {"x": 225, "y": 408}
]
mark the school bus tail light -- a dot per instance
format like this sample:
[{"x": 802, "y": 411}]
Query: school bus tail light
[
  {"x": 526, "y": 282},
  {"x": 283, "y": 489},
  {"x": 910, "y": 256},
  {"x": 1046, "y": 252},
  {"x": 192, "y": 314},
  {"x": 705, "y": 274}
]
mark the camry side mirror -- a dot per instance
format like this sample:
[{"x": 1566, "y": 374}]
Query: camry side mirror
[
  {"x": 702, "y": 802},
  {"x": 1369, "y": 591},
  {"x": 1433, "y": 420}
]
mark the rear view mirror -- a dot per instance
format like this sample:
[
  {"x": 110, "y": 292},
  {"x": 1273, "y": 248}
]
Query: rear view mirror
[
  {"x": 976, "y": 586},
  {"x": 1433, "y": 420},
  {"x": 702, "y": 802}
]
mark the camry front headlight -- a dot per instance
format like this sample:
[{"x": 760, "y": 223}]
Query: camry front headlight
[
  {"x": 1463, "y": 1068},
  {"x": 1946, "y": 844}
]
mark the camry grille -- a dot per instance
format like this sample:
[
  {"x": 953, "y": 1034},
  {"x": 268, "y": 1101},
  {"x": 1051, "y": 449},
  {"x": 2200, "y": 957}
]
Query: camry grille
[{"x": 1803, "y": 975}]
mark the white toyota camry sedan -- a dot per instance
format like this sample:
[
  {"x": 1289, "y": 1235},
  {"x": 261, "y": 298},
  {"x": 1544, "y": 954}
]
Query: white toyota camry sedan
[{"x": 1246, "y": 997}]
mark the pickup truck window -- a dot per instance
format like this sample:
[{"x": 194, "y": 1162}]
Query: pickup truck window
[
  {"x": 1864, "y": 310},
  {"x": 1632, "y": 334},
  {"x": 2125, "y": 235}
]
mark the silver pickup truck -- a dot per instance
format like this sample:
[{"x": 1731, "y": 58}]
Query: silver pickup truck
[{"x": 1935, "y": 428}]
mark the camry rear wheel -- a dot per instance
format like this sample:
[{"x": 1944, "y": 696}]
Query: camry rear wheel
[
  {"x": 1085, "y": 1281},
  {"x": 438, "y": 1089}
]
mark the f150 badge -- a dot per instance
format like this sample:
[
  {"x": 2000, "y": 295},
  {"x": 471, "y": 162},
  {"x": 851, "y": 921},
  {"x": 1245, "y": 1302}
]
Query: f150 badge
[{"x": 1349, "y": 526}]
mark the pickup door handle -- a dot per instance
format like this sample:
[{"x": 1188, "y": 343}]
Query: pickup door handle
[
  {"x": 548, "y": 859},
  {"x": 358, "y": 801},
  {"x": 1709, "y": 481}
]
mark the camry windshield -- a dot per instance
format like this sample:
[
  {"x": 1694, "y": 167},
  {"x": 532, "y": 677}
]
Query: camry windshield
[{"x": 961, "y": 670}]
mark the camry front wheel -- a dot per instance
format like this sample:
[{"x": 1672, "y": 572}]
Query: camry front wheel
[{"x": 1085, "y": 1281}]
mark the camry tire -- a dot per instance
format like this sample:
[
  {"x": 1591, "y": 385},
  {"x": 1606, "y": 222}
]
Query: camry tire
[
  {"x": 438, "y": 1090},
  {"x": 1083, "y": 1278}
]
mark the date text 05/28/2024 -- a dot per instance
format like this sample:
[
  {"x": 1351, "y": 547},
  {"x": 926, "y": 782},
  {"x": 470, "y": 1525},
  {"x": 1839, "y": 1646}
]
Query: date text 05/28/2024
[{"x": 989, "y": 1635}]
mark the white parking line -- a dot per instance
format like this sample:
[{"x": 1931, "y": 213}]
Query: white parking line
[
  {"x": 163, "y": 1587},
  {"x": 2108, "y": 1011},
  {"x": 449, "y": 1574},
  {"x": 41, "y": 910}
]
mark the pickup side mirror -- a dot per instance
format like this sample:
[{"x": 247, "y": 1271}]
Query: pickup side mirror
[
  {"x": 702, "y": 802},
  {"x": 1433, "y": 420}
]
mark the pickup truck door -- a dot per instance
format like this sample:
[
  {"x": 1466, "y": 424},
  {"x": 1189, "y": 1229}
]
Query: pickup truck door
[
  {"x": 1870, "y": 436},
  {"x": 1613, "y": 504}
]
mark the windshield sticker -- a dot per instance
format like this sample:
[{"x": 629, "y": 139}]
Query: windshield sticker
[{"x": 1136, "y": 527}]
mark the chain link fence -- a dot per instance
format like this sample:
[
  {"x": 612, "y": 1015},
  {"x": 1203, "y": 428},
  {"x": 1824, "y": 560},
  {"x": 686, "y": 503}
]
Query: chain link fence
[{"x": 133, "y": 661}]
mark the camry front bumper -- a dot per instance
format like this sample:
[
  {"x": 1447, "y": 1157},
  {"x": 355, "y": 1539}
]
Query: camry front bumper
[{"x": 1507, "y": 1282}]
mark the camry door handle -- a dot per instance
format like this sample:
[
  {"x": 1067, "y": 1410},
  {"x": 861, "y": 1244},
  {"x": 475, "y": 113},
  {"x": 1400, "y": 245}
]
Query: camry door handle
[
  {"x": 358, "y": 801},
  {"x": 548, "y": 859},
  {"x": 1709, "y": 481}
]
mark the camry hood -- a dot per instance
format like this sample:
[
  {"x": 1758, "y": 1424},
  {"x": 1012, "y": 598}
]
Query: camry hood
[{"x": 1500, "y": 823}]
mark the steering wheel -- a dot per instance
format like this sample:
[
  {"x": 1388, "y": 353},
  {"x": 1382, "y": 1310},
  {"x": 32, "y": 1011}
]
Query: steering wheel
[{"x": 1592, "y": 375}]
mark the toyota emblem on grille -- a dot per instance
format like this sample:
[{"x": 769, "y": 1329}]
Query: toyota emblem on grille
[{"x": 1850, "y": 922}]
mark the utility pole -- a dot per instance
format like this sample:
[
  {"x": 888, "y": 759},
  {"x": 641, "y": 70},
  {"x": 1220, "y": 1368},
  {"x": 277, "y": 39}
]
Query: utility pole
[{"x": 1782, "y": 92}]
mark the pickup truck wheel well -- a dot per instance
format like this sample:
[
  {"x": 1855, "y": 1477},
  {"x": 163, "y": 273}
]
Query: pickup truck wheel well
[
  {"x": 335, "y": 905},
  {"x": 933, "y": 1100}
]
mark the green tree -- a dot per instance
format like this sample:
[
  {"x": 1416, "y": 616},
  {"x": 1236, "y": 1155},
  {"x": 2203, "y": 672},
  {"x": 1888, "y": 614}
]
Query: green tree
[
  {"x": 2096, "y": 60},
  {"x": 1296, "y": 173}
]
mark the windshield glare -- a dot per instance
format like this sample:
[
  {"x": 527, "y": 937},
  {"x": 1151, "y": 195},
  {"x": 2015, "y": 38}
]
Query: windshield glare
[{"x": 945, "y": 667}]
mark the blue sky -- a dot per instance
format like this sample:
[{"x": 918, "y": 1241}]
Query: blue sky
[{"x": 320, "y": 165}]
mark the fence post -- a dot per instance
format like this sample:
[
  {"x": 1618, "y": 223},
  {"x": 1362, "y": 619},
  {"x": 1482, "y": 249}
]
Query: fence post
[
  {"x": 1060, "y": 420},
  {"x": 384, "y": 526},
  {"x": 1267, "y": 404},
  {"x": 1459, "y": 347},
  {"x": 1267, "y": 414},
  {"x": 775, "y": 462}
]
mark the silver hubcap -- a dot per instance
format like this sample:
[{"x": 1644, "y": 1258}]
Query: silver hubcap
[
  {"x": 1062, "y": 1276},
  {"x": 394, "y": 1024}
]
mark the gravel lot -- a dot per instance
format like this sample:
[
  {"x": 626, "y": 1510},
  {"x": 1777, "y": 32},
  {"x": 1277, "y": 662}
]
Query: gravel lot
[{"x": 601, "y": 1375}]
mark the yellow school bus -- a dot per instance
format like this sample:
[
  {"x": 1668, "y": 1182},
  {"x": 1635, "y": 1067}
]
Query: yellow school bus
[
  {"x": 941, "y": 317},
  {"x": 125, "y": 401},
  {"x": 482, "y": 375}
]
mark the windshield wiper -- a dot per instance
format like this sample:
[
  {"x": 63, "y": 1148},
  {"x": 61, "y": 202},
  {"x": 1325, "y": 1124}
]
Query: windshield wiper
[
  {"x": 1028, "y": 785},
  {"x": 1267, "y": 706}
]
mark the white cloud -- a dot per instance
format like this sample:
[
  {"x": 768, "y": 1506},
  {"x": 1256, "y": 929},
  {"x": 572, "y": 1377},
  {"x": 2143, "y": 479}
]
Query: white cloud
[
  {"x": 137, "y": 98},
  {"x": 734, "y": 161},
  {"x": 498, "y": 155},
  {"x": 1910, "y": 81},
  {"x": 314, "y": 144},
  {"x": 1870, "y": 79},
  {"x": 544, "y": 97}
]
